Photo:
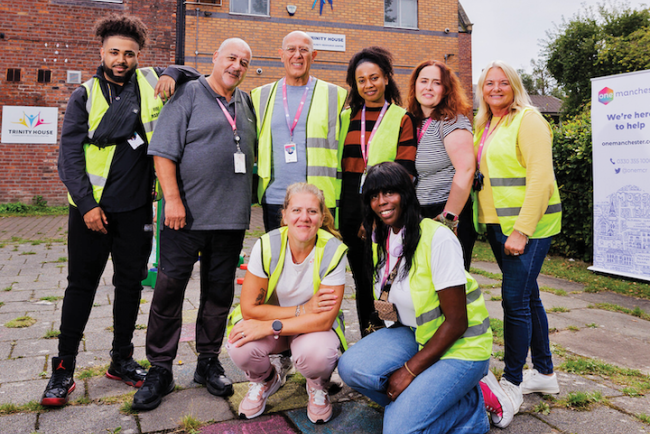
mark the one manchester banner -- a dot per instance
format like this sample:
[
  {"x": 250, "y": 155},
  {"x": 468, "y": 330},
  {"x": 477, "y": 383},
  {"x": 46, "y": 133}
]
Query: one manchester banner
[
  {"x": 620, "y": 120},
  {"x": 36, "y": 125}
]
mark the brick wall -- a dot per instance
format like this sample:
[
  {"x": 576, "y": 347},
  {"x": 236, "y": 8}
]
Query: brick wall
[
  {"x": 362, "y": 22},
  {"x": 57, "y": 35}
]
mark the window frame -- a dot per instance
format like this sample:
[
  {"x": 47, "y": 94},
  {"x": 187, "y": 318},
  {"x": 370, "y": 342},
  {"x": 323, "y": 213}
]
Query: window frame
[
  {"x": 268, "y": 9},
  {"x": 399, "y": 24}
]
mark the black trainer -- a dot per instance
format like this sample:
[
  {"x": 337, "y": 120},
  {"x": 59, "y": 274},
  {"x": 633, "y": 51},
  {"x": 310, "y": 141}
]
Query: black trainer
[
  {"x": 158, "y": 383},
  {"x": 61, "y": 383},
  {"x": 211, "y": 373},
  {"x": 125, "y": 369}
]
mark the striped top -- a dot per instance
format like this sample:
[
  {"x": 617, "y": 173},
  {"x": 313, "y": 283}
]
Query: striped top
[
  {"x": 434, "y": 168},
  {"x": 352, "y": 159}
]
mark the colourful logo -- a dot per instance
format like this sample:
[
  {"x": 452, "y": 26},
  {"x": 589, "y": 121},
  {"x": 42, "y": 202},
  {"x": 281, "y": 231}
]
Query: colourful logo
[
  {"x": 31, "y": 121},
  {"x": 606, "y": 95},
  {"x": 322, "y": 3}
]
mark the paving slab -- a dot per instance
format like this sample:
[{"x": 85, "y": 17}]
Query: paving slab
[
  {"x": 598, "y": 419},
  {"x": 272, "y": 424},
  {"x": 637, "y": 405},
  {"x": 35, "y": 347},
  {"x": 525, "y": 423},
  {"x": 615, "y": 322},
  {"x": 195, "y": 402},
  {"x": 18, "y": 423},
  {"x": 103, "y": 387},
  {"x": 86, "y": 419},
  {"x": 349, "y": 418},
  {"x": 22, "y": 392},
  {"x": 551, "y": 300},
  {"x": 8, "y": 297},
  {"x": 21, "y": 369},
  {"x": 602, "y": 344}
]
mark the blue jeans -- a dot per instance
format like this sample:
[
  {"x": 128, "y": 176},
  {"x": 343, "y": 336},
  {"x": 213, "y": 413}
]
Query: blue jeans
[
  {"x": 525, "y": 324},
  {"x": 444, "y": 398}
]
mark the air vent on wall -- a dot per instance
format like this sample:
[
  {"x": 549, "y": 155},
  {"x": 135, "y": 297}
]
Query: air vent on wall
[{"x": 74, "y": 77}]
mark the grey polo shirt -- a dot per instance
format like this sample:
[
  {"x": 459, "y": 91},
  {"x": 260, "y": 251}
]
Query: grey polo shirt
[{"x": 193, "y": 131}]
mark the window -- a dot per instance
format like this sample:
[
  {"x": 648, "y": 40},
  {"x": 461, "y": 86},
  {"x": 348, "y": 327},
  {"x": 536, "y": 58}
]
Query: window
[
  {"x": 13, "y": 74},
  {"x": 401, "y": 13},
  {"x": 252, "y": 7},
  {"x": 44, "y": 76}
]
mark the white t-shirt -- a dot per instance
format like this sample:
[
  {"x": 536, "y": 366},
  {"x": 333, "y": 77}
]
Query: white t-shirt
[
  {"x": 295, "y": 285},
  {"x": 447, "y": 269}
]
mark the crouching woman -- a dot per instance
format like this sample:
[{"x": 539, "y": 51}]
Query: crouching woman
[
  {"x": 426, "y": 367},
  {"x": 291, "y": 299}
]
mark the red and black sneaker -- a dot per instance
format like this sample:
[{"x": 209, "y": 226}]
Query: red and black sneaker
[
  {"x": 61, "y": 383},
  {"x": 125, "y": 369}
]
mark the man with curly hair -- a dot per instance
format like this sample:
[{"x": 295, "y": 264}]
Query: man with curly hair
[{"x": 110, "y": 180}]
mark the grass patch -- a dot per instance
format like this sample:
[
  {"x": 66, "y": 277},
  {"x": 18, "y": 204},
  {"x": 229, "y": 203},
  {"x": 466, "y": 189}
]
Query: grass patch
[
  {"x": 20, "y": 322},
  {"x": 83, "y": 400},
  {"x": 255, "y": 233},
  {"x": 30, "y": 407},
  {"x": 573, "y": 328},
  {"x": 557, "y": 309},
  {"x": 52, "y": 298},
  {"x": 496, "y": 298},
  {"x": 190, "y": 424},
  {"x": 140, "y": 327},
  {"x": 632, "y": 391},
  {"x": 2, "y": 303},
  {"x": 637, "y": 311},
  {"x": 499, "y": 355},
  {"x": 126, "y": 407},
  {"x": 51, "y": 334},
  {"x": 581, "y": 401},
  {"x": 497, "y": 331},
  {"x": 559, "y": 292},
  {"x": 19, "y": 209},
  {"x": 144, "y": 363},
  {"x": 592, "y": 325},
  {"x": 643, "y": 418},
  {"x": 27, "y": 253},
  {"x": 630, "y": 378},
  {"x": 542, "y": 408},
  {"x": 493, "y": 276},
  {"x": 482, "y": 252},
  {"x": 94, "y": 371}
]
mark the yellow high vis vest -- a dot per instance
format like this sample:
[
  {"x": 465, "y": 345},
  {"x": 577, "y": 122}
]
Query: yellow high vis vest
[
  {"x": 508, "y": 181},
  {"x": 328, "y": 255},
  {"x": 476, "y": 342},
  {"x": 98, "y": 160},
  {"x": 323, "y": 128}
]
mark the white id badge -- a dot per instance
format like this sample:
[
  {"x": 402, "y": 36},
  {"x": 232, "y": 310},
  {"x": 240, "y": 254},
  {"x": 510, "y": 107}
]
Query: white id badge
[
  {"x": 290, "y": 153},
  {"x": 363, "y": 179},
  {"x": 240, "y": 162},
  {"x": 135, "y": 141}
]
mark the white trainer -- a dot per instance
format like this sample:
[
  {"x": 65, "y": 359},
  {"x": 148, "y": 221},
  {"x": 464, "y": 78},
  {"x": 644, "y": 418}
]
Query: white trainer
[
  {"x": 536, "y": 382},
  {"x": 513, "y": 392},
  {"x": 497, "y": 401}
]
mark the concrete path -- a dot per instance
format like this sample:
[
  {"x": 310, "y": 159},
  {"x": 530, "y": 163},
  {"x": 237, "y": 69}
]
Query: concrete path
[{"x": 32, "y": 283}]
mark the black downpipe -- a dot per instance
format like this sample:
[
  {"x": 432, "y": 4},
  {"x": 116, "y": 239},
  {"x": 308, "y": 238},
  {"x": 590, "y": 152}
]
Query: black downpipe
[{"x": 180, "y": 32}]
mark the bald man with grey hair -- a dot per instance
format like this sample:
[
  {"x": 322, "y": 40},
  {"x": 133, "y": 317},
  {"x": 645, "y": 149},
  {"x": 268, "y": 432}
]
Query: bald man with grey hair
[
  {"x": 204, "y": 157},
  {"x": 297, "y": 139}
]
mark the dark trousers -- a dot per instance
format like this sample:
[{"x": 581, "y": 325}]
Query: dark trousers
[
  {"x": 466, "y": 233},
  {"x": 179, "y": 251},
  {"x": 360, "y": 261},
  {"x": 129, "y": 246},
  {"x": 272, "y": 216}
]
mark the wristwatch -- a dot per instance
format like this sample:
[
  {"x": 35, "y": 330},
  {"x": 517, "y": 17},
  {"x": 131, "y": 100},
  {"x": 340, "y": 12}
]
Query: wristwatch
[
  {"x": 277, "y": 328},
  {"x": 449, "y": 216}
]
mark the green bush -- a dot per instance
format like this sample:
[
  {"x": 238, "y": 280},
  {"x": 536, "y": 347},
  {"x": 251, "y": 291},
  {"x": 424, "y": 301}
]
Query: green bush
[{"x": 572, "y": 155}]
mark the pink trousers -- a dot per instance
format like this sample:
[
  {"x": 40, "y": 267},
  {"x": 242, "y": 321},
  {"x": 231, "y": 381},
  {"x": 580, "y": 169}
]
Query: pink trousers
[{"x": 314, "y": 356}]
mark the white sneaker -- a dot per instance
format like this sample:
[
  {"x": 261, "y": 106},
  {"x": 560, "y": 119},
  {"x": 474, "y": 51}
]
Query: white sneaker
[
  {"x": 254, "y": 402},
  {"x": 513, "y": 392},
  {"x": 536, "y": 382},
  {"x": 283, "y": 365},
  {"x": 497, "y": 401}
]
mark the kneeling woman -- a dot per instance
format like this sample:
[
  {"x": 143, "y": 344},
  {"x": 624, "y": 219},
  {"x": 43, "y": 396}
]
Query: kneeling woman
[
  {"x": 425, "y": 369},
  {"x": 290, "y": 299}
]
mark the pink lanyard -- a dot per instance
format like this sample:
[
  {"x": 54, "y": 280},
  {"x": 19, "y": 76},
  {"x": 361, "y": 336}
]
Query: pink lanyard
[
  {"x": 423, "y": 130},
  {"x": 387, "y": 270},
  {"x": 486, "y": 134},
  {"x": 286, "y": 106},
  {"x": 232, "y": 122},
  {"x": 365, "y": 148}
]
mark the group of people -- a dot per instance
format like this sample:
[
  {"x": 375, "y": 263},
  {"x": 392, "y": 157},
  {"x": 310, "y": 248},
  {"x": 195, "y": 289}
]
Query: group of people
[{"x": 343, "y": 178}]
